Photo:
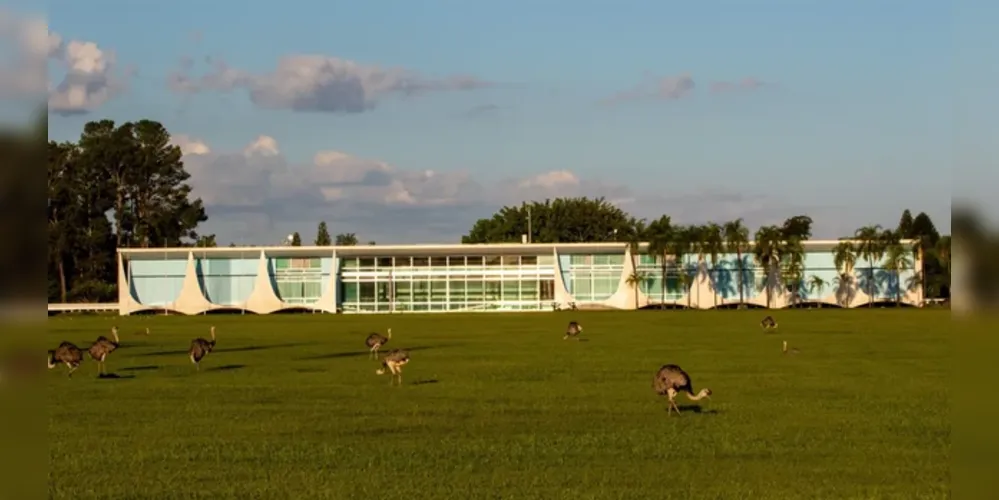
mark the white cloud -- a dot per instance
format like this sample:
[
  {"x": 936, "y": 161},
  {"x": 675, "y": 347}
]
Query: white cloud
[
  {"x": 89, "y": 81},
  {"x": 670, "y": 87},
  {"x": 316, "y": 83},
  {"x": 261, "y": 196}
]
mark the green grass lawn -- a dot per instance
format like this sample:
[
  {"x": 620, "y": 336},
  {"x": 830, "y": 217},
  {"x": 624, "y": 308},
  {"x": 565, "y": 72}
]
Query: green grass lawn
[{"x": 499, "y": 406}]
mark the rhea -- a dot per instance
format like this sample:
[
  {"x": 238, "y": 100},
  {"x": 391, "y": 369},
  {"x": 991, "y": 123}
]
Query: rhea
[
  {"x": 103, "y": 346},
  {"x": 393, "y": 362},
  {"x": 68, "y": 354},
  {"x": 573, "y": 330},
  {"x": 769, "y": 323},
  {"x": 375, "y": 341},
  {"x": 671, "y": 380},
  {"x": 200, "y": 348}
]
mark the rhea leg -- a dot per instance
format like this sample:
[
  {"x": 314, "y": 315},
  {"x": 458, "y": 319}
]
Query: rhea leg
[
  {"x": 672, "y": 402},
  {"x": 72, "y": 368}
]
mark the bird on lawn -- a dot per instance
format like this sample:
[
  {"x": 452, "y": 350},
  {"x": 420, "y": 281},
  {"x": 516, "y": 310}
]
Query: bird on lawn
[
  {"x": 393, "y": 362},
  {"x": 375, "y": 341},
  {"x": 671, "y": 380},
  {"x": 573, "y": 330},
  {"x": 769, "y": 323},
  {"x": 68, "y": 354},
  {"x": 103, "y": 346},
  {"x": 793, "y": 350},
  {"x": 200, "y": 348}
]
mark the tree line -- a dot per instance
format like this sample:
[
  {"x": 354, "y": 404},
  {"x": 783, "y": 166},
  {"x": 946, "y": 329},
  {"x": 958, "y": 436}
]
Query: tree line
[
  {"x": 125, "y": 185},
  {"x": 779, "y": 249}
]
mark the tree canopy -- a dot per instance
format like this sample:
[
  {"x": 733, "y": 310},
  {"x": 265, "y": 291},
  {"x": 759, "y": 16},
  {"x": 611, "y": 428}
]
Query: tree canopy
[{"x": 117, "y": 186}]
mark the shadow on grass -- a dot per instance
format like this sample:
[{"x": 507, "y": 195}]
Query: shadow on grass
[
  {"x": 179, "y": 352},
  {"x": 382, "y": 353},
  {"x": 224, "y": 368},
  {"x": 140, "y": 368},
  {"x": 696, "y": 409},
  {"x": 114, "y": 376},
  {"x": 425, "y": 382}
]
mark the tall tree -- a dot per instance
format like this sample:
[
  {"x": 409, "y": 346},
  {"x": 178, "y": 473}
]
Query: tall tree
[
  {"x": 637, "y": 232},
  {"x": 767, "y": 248},
  {"x": 346, "y": 240},
  {"x": 296, "y": 239},
  {"x": 906, "y": 225},
  {"x": 870, "y": 247},
  {"x": 660, "y": 236},
  {"x": 713, "y": 245},
  {"x": 206, "y": 241},
  {"x": 562, "y": 220},
  {"x": 845, "y": 260},
  {"x": 737, "y": 241},
  {"x": 323, "y": 238},
  {"x": 799, "y": 226}
]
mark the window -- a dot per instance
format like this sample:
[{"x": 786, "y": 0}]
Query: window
[
  {"x": 546, "y": 260},
  {"x": 438, "y": 262},
  {"x": 438, "y": 291},
  {"x": 456, "y": 261},
  {"x": 547, "y": 290},
  {"x": 580, "y": 260},
  {"x": 350, "y": 292},
  {"x": 529, "y": 290},
  {"x": 403, "y": 262},
  {"x": 421, "y": 261},
  {"x": 349, "y": 263},
  {"x": 457, "y": 292},
  {"x": 492, "y": 290},
  {"x": 493, "y": 261},
  {"x": 421, "y": 291},
  {"x": 528, "y": 260},
  {"x": 384, "y": 291},
  {"x": 475, "y": 291},
  {"x": 385, "y": 262},
  {"x": 366, "y": 262},
  {"x": 367, "y": 293},
  {"x": 474, "y": 261},
  {"x": 511, "y": 290},
  {"x": 582, "y": 287},
  {"x": 510, "y": 260},
  {"x": 403, "y": 291}
]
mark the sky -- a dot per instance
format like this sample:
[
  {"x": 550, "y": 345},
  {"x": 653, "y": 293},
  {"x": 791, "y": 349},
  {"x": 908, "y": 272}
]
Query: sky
[{"x": 404, "y": 122}]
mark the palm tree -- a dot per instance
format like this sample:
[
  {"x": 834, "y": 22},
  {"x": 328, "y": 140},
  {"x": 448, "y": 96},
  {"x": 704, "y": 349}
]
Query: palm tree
[
  {"x": 767, "y": 250},
  {"x": 737, "y": 240},
  {"x": 816, "y": 283},
  {"x": 713, "y": 244},
  {"x": 897, "y": 261},
  {"x": 871, "y": 248},
  {"x": 793, "y": 260},
  {"x": 844, "y": 258},
  {"x": 681, "y": 243},
  {"x": 636, "y": 231},
  {"x": 660, "y": 245}
]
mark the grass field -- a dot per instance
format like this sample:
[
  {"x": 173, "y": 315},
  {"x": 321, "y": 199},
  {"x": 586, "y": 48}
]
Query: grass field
[{"x": 498, "y": 406}]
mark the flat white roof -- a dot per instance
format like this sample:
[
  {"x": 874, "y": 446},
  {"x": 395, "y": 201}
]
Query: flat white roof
[{"x": 418, "y": 250}]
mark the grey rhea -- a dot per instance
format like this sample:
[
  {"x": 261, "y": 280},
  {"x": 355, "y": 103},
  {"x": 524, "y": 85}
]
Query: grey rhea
[
  {"x": 103, "y": 346},
  {"x": 573, "y": 330},
  {"x": 671, "y": 380},
  {"x": 68, "y": 354},
  {"x": 393, "y": 362},
  {"x": 200, "y": 348},
  {"x": 769, "y": 323},
  {"x": 375, "y": 341}
]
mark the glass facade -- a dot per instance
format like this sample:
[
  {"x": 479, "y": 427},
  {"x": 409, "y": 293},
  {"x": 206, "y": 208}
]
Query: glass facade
[
  {"x": 447, "y": 283},
  {"x": 298, "y": 280},
  {"x": 650, "y": 266},
  {"x": 594, "y": 277}
]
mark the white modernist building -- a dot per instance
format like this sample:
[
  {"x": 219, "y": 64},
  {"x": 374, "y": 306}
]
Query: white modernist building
[{"x": 500, "y": 277}]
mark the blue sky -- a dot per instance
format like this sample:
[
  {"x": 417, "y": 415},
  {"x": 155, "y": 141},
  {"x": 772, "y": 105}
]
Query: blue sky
[{"x": 865, "y": 109}]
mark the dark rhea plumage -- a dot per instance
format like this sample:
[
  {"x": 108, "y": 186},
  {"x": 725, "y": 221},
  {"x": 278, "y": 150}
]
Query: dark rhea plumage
[
  {"x": 375, "y": 341},
  {"x": 573, "y": 330},
  {"x": 200, "y": 348},
  {"x": 768, "y": 323},
  {"x": 67, "y": 353},
  {"x": 103, "y": 346},
  {"x": 671, "y": 380}
]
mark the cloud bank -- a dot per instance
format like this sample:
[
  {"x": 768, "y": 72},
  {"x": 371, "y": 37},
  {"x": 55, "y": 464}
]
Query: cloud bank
[
  {"x": 256, "y": 196},
  {"x": 316, "y": 83},
  {"x": 90, "y": 79}
]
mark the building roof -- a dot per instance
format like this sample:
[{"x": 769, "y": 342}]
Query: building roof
[{"x": 418, "y": 250}]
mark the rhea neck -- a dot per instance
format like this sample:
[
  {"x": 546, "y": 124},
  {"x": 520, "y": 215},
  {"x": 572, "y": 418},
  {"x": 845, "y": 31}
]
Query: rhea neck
[
  {"x": 694, "y": 397},
  {"x": 389, "y": 333}
]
